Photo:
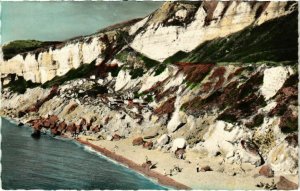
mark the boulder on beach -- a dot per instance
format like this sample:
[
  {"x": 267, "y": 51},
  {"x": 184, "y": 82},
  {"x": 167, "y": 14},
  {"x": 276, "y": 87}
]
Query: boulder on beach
[
  {"x": 179, "y": 153},
  {"x": 178, "y": 143},
  {"x": 54, "y": 131},
  {"x": 116, "y": 137},
  {"x": 138, "y": 141},
  {"x": 285, "y": 184},
  {"x": 148, "y": 145},
  {"x": 36, "y": 133},
  {"x": 164, "y": 139},
  {"x": 205, "y": 168},
  {"x": 109, "y": 138},
  {"x": 96, "y": 129},
  {"x": 266, "y": 171},
  {"x": 20, "y": 124}
]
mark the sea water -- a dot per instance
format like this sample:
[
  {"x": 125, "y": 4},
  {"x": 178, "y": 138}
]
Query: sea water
[{"x": 50, "y": 163}]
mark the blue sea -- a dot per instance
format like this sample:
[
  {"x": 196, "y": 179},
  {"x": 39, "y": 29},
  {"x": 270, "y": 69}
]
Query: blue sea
[{"x": 56, "y": 163}]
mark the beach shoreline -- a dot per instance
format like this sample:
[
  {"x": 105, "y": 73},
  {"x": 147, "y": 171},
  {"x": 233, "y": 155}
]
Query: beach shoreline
[
  {"x": 124, "y": 153},
  {"x": 161, "y": 179}
]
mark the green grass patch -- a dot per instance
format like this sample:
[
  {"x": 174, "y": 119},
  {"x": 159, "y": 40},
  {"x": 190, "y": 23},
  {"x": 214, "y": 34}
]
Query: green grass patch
[
  {"x": 20, "y": 46},
  {"x": 82, "y": 71},
  {"x": 20, "y": 85},
  {"x": 159, "y": 69},
  {"x": 124, "y": 55},
  {"x": 275, "y": 40},
  {"x": 149, "y": 98},
  {"x": 191, "y": 85},
  {"x": 137, "y": 72},
  {"x": 115, "y": 71}
]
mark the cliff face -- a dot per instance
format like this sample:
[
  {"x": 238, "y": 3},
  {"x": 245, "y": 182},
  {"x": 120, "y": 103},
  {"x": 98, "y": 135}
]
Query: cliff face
[
  {"x": 172, "y": 28},
  {"x": 182, "y": 27},
  {"x": 227, "y": 85},
  {"x": 44, "y": 63}
]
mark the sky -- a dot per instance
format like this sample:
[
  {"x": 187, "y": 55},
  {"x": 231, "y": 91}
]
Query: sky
[{"x": 50, "y": 21}]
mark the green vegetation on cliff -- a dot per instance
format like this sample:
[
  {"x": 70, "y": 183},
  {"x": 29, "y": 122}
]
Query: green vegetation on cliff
[
  {"x": 275, "y": 40},
  {"x": 81, "y": 71},
  {"x": 20, "y": 46},
  {"x": 20, "y": 85}
]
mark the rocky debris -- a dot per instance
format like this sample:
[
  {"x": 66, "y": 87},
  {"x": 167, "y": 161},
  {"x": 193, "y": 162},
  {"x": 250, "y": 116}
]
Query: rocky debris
[
  {"x": 149, "y": 165},
  {"x": 109, "y": 137},
  {"x": 116, "y": 137},
  {"x": 195, "y": 72},
  {"x": 148, "y": 145},
  {"x": 179, "y": 153},
  {"x": 96, "y": 129},
  {"x": 164, "y": 139},
  {"x": 62, "y": 127},
  {"x": 179, "y": 143},
  {"x": 138, "y": 141},
  {"x": 289, "y": 121},
  {"x": 55, "y": 132},
  {"x": 288, "y": 112},
  {"x": 267, "y": 186},
  {"x": 251, "y": 153},
  {"x": 166, "y": 108},
  {"x": 285, "y": 184},
  {"x": 250, "y": 147},
  {"x": 35, "y": 107},
  {"x": 151, "y": 136},
  {"x": 266, "y": 171},
  {"x": 256, "y": 121},
  {"x": 20, "y": 124},
  {"x": 284, "y": 158},
  {"x": 292, "y": 140},
  {"x": 215, "y": 101},
  {"x": 72, "y": 108},
  {"x": 36, "y": 133},
  {"x": 205, "y": 168}
]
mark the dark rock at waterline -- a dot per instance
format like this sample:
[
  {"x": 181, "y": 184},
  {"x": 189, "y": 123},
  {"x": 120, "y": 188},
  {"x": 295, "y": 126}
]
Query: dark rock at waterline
[
  {"x": 20, "y": 124},
  {"x": 55, "y": 132},
  {"x": 36, "y": 133},
  {"x": 21, "y": 114}
]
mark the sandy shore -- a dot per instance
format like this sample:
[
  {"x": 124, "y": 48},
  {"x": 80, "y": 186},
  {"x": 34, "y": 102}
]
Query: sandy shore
[
  {"x": 223, "y": 176},
  {"x": 164, "y": 180},
  {"x": 220, "y": 178}
]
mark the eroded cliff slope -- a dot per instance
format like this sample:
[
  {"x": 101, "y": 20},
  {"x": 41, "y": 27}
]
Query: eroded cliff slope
[{"x": 218, "y": 78}]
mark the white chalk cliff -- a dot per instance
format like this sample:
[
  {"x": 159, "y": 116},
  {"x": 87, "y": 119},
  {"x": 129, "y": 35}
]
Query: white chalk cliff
[{"x": 243, "y": 111}]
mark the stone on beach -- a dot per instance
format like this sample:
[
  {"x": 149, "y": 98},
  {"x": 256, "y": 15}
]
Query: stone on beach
[
  {"x": 148, "y": 145},
  {"x": 116, "y": 137},
  {"x": 205, "y": 168},
  {"x": 179, "y": 153},
  {"x": 138, "y": 141},
  {"x": 36, "y": 133},
  {"x": 164, "y": 139},
  {"x": 285, "y": 184},
  {"x": 266, "y": 171},
  {"x": 178, "y": 143}
]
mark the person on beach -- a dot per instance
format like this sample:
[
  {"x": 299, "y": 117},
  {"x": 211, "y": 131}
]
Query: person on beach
[
  {"x": 165, "y": 172},
  {"x": 197, "y": 168},
  {"x": 146, "y": 158},
  {"x": 171, "y": 171}
]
